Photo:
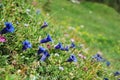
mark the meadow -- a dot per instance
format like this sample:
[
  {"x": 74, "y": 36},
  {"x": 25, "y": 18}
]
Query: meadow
[{"x": 58, "y": 40}]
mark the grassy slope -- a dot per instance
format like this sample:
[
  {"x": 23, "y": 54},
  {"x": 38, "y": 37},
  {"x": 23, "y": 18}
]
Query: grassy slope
[
  {"x": 101, "y": 25},
  {"x": 102, "y": 20},
  {"x": 59, "y": 22}
]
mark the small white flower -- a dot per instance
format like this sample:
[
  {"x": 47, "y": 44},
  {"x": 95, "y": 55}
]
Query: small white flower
[
  {"x": 17, "y": 22},
  {"x": 26, "y": 25},
  {"x": 61, "y": 68},
  {"x": 27, "y": 10},
  {"x": 82, "y": 56},
  {"x": 2, "y": 19},
  {"x": 56, "y": 54},
  {"x": 71, "y": 28},
  {"x": 72, "y": 40},
  {"x": 75, "y": 1},
  {"x": 19, "y": 71},
  {"x": 32, "y": 77},
  {"x": 81, "y": 45}
]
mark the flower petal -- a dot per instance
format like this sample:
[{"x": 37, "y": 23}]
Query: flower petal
[{"x": 2, "y": 39}]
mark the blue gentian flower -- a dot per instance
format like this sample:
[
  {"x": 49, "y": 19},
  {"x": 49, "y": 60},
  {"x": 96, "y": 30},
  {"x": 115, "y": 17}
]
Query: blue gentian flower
[
  {"x": 26, "y": 44},
  {"x": 116, "y": 73},
  {"x": 45, "y": 56},
  {"x": 41, "y": 50},
  {"x": 44, "y": 25},
  {"x": 72, "y": 58},
  {"x": 58, "y": 46},
  {"x": 62, "y": 48},
  {"x": 107, "y": 63},
  {"x": 106, "y": 79},
  {"x": 98, "y": 57},
  {"x": 65, "y": 49},
  {"x": 8, "y": 29},
  {"x": 47, "y": 39},
  {"x": 72, "y": 45}
]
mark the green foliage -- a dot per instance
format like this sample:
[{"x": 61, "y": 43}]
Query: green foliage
[{"x": 25, "y": 65}]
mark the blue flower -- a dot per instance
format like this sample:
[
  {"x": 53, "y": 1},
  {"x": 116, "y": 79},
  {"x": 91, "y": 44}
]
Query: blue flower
[
  {"x": 107, "y": 63},
  {"x": 58, "y": 46},
  {"x": 47, "y": 39},
  {"x": 65, "y": 49},
  {"x": 98, "y": 57},
  {"x": 116, "y": 73},
  {"x": 26, "y": 44},
  {"x": 72, "y": 45},
  {"x": 8, "y": 29},
  {"x": 45, "y": 56},
  {"x": 106, "y": 79},
  {"x": 72, "y": 58},
  {"x": 44, "y": 25},
  {"x": 41, "y": 50}
]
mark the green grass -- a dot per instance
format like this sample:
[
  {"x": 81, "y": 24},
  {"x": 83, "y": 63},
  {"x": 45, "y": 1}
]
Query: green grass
[
  {"x": 100, "y": 33},
  {"x": 101, "y": 25},
  {"x": 97, "y": 18}
]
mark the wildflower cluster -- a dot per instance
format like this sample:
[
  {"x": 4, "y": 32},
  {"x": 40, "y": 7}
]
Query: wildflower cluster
[
  {"x": 44, "y": 54},
  {"x": 26, "y": 44},
  {"x": 49, "y": 56},
  {"x": 9, "y": 28},
  {"x": 99, "y": 58}
]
